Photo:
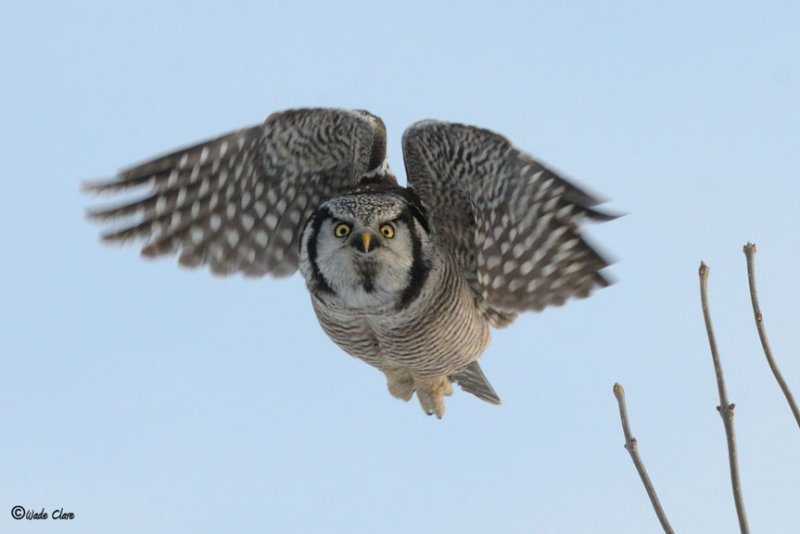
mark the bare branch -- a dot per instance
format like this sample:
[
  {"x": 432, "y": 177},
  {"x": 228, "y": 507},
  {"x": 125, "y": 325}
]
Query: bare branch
[
  {"x": 725, "y": 408},
  {"x": 750, "y": 252},
  {"x": 633, "y": 449}
]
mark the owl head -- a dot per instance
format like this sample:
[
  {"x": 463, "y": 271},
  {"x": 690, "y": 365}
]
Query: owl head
[{"x": 368, "y": 249}]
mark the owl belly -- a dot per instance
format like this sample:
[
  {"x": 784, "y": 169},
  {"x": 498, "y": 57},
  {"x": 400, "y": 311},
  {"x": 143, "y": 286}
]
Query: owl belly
[
  {"x": 445, "y": 339},
  {"x": 439, "y": 333}
]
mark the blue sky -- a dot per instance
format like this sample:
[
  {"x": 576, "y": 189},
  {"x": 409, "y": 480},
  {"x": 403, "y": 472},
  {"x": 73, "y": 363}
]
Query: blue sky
[{"x": 146, "y": 398}]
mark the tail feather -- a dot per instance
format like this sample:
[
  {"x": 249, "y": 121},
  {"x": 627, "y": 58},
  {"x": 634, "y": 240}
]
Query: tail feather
[{"x": 472, "y": 380}]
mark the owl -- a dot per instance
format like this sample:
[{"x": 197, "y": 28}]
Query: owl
[{"x": 408, "y": 279}]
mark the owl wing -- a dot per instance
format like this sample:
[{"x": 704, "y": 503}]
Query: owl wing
[
  {"x": 512, "y": 223},
  {"x": 239, "y": 202}
]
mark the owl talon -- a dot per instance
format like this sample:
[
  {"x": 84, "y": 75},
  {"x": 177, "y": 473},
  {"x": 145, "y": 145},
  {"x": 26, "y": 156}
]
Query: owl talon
[
  {"x": 431, "y": 394},
  {"x": 400, "y": 383},
  {"x": 448, "y": 388}
]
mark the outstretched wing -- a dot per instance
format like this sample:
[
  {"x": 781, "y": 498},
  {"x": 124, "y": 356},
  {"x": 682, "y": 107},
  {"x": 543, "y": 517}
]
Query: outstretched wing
[
  {"x": 239, "y": 202},
  {"x": 512, "y": 223}
]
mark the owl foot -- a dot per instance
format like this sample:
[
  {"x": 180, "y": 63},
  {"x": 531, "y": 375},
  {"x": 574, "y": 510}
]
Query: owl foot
[
  {"x": 431, "y": 392},
  {"x": 400, "y": 383}
]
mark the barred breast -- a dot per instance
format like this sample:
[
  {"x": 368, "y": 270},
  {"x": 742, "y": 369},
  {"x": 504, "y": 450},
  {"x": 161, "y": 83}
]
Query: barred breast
[{"x": 437, "y": 334}]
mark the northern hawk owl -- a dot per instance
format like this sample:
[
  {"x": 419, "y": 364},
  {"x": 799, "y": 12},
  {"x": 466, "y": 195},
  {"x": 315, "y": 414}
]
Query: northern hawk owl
[{"x": 408, "y": 279}]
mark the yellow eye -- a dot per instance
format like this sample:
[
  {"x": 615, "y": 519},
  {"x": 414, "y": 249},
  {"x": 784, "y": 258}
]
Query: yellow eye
[
  {"x": 387, "y": 230},
  {"x": 342, "y": 230}
]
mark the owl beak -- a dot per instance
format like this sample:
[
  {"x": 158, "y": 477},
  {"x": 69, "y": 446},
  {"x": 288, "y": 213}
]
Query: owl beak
[{"x": 365, "y": 242}]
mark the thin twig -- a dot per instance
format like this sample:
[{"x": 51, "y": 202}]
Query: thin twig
[
  {"x": 750, "y": 252},
  {"x": 725, "y": 408},
  {"x": 633, "y": 449}
]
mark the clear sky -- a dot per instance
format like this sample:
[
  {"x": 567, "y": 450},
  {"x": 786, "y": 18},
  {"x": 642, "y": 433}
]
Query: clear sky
[{"x": 146, "y": 398}]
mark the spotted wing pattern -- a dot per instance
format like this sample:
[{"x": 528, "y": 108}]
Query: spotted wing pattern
[
  {"x": 239, "y": 202},
  {"x": 512, "y": 223}
]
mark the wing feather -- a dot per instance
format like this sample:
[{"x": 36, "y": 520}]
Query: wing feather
[
  {"x": 239, "y": 202},
  {"x": 512, "y": 223}
]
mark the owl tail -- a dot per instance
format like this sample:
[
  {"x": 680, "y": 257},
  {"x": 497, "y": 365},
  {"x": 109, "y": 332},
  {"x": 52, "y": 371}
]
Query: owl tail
[{"x": 472, "y": 380}]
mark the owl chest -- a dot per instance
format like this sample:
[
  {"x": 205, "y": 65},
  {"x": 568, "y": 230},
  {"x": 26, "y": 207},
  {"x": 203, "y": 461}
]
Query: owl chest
[{"x": 441, "y": 331}]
